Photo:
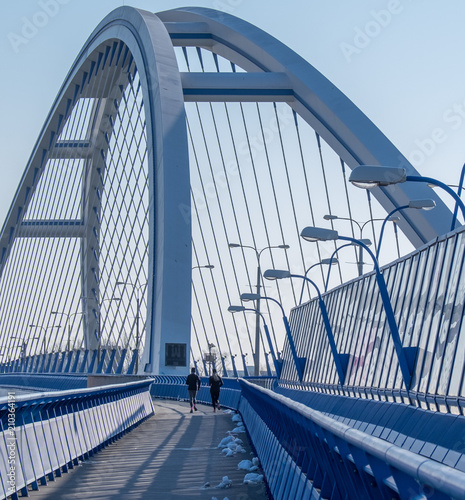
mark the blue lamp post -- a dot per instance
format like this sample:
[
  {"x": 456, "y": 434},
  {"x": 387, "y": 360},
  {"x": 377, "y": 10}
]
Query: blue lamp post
[
  {"x": 258, "y": 254},
  {"x": 418, "y": 204},
  {"x": 324, "y": 262},
  {"x": 405, "y": 355},
  {"x": 340, "y": 360},
  {"x": 277, "y": 364},
  {"x": 361, "y": 226},
  {"x": 299, "y": 362},
  {"x": 367, "y": 242},
  {"x": 369, "y": 176}
]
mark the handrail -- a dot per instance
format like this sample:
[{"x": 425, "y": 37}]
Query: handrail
[
  {"x": 442, "y": 478},
  {"x": 45, "y": 434}
]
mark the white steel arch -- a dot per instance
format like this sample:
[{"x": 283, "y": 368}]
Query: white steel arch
[
  {"x": 273, "y": 73},
  {"x": 168, "y": 309}
]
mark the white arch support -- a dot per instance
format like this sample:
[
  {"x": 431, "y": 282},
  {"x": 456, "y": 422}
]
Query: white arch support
[
  {"x": 168, "y": 309},
  {"x": 128, "y": 40},
  {"x": 332, "y": 115}
]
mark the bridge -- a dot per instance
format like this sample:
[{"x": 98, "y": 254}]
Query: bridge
[{"x": 201, "y": 196}]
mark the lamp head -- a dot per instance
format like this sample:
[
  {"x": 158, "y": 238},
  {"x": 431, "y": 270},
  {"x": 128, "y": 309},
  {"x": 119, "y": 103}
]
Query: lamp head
[
  {"x": 319, "y": 234},
  {"x": 330, "y": 217},
  {"x": 365, "y": 241},
  {"x": 370, "y": 176},
  {"x": 234, "y": 245},
  {"x": 276, "y": 274},
  {"x": 394, "y": 219},
  {"x": 329, "y": 262},
  {"x": 249, "y": 296},
  {"x": 284, "y": 247},
  {"x": 209, "y": 266},
  {"x": 422, "y": 204},
  {"x": 234, "y": 309}
]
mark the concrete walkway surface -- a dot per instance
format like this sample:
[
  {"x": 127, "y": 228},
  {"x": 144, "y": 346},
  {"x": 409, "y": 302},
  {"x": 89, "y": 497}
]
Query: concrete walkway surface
[{"x": 172, "y": 455}]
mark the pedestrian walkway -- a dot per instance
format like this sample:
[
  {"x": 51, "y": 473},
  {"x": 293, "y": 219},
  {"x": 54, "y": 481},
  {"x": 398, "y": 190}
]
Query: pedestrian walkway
[{"x": 172, "y": 455}]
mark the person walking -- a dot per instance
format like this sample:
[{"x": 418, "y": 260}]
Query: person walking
[
  {"x": 193, "y": 385},
  {"x": 215, "y": 383}
]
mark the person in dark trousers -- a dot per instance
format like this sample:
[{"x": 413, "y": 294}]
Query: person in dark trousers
[
  {"x": 193, "y": 385},
  {"x": 215, "y": 383}
]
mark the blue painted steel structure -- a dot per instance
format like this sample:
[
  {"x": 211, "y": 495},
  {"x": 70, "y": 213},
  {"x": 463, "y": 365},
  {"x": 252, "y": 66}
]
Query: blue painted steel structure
[
  {"x": 428, "y": 298},
  {"x": 52, "y": 432},
  {"x": 117, "y": 145},
  {"x": 319, "y": 445}
]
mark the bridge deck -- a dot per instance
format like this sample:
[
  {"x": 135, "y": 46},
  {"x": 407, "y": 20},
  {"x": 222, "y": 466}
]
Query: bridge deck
[{"x": 170, "y": 456}]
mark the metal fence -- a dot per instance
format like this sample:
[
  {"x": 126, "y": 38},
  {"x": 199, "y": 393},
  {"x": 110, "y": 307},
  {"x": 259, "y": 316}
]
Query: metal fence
[
  {"x": 306, "y": 454},
  {"x": 427, "y": 293},
  {"x": 44, "y": 435}
]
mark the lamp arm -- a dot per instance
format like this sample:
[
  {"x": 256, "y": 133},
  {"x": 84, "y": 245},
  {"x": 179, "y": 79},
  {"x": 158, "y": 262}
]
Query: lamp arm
[
  {"x": 459, "y": 192},
  {"x": 430, "y": 180},
  {"x": 365, "y": 247},
  {"x": 381, "y": 233},
  {"x": 329, "y": 268}
]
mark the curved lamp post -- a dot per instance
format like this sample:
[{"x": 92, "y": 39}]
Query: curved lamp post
[
  {"x": 365, "y": 241},
  {"x": 299, "y": 362},
  {"x": 370, "y": 176},
  {"x": 405, "y": 355},
  {"x": 324, "y": 262},
  {"x": 418, "y": 204},
  {"x": 361, "y": 227},
  {"x": 340, "y": 360},
  {"x": 277, "y": 364},
  {"x": 258, "y": 253}
]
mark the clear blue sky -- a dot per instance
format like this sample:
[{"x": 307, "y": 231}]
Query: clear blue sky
[{"x": 400, "y": 61}]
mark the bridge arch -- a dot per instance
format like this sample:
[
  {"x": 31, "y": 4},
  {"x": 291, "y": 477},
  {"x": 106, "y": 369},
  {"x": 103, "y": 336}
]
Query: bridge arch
[{"x": 128, "y": 51}]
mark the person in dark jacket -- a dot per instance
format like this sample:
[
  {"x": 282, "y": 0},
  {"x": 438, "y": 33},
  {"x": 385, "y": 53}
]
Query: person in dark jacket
[
  {"x": 215, "y": 383},
  {"x": 193, "y": 385}
]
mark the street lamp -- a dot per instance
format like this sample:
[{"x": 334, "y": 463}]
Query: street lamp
[
  {"x": 340, "y": 360},
  {"x": 361, "y": 227},
  {"x": 68, "y": 320},
  {"x": 367, "y": 242},
  {"x": 45, "y": 333},
  {"x": 99, "y": 304},
  {"x": 207, "y": 266},
  {"x": 417, "y": 204},
  {"x": 324, "y": 262},
  {"x": 370, "y": 176},
  {"x": 258, "y": 253},
  {"x": 405, "y": 355},
  {"x": 137, "y": 289},
  {"x": 299, "y": 362},
  {"x": 277, "y": 364}
]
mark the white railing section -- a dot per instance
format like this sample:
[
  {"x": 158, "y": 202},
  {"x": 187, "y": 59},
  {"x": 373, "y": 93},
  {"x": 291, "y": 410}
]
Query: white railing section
[{"x": 44, "y": 435}]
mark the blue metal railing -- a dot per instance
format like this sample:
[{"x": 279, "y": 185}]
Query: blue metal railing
[
  {"x": 174, "y": 387},
  {"x": 306, "y": 454},
  {"x": 79, "y": 361},
  {"x": 428, "y": 298},
  {"x": 44, "y": 435}
]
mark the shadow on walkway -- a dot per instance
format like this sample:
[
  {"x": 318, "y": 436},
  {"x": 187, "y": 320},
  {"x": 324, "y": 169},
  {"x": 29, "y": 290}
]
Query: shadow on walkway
[{"x": 169, "y": 456}]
